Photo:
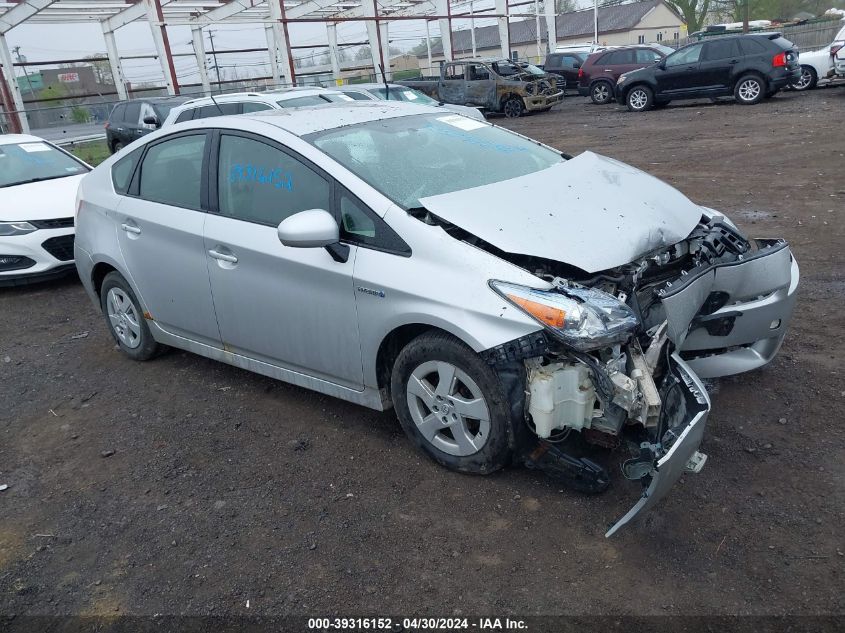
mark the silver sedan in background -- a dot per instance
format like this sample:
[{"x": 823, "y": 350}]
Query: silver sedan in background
[{"x": 396, "y": 255}]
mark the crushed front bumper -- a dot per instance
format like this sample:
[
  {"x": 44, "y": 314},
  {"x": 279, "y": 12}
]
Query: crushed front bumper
[
  {"x": 757, "y": 296},
  {"x": 686, "y": 430},
  {"x": 541, "y": 102}
]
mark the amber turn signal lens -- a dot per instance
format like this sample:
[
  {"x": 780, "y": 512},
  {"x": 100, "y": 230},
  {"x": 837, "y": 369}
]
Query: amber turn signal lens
[{"x": 553, "y": 317}]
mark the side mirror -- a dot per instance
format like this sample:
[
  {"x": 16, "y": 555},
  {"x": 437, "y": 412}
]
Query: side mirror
[
  {"x": 662, "y": 64},
  {"x": 151, "y": 119},
  {"x": 314, "y": 228}
]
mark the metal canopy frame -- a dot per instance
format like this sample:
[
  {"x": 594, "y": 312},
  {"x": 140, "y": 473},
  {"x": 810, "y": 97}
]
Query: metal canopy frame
[{"x": 275, "y": 15}]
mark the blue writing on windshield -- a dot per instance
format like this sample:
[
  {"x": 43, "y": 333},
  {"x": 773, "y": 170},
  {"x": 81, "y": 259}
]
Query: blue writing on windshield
[{"x": 447, "y": 130}]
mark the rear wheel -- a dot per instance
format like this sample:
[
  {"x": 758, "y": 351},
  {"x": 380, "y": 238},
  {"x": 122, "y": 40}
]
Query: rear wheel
[
  {"x": 125, "y": 319},
  {"x": 750, "y": 90},
  {"x": 513, "y": 107},
  {"x": 640, "y": 99},
  {"x": 601, "y": 93},
  {"x": 452, "y": 404},
  {"x": 808, "y": 79}
]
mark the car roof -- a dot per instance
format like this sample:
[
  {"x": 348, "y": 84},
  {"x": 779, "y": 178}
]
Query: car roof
[
  {"x": 14, "y": 139},
  {"x": 301, "y": 121},
  {"x": 274, "y": 96},
  {"x": 372, "y": 86}
]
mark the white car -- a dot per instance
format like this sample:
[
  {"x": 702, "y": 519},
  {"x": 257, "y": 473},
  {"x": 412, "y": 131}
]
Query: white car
[
  {"x": 837, "y": 52},
  {"x": 247, "y": 102},
  {"x": 818, "y": 65},
  {"x": 395, "y": 92},
  {"x": 38, "y": 184}
]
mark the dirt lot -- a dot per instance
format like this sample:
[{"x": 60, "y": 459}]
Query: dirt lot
[{"x": 225, "y": 487}]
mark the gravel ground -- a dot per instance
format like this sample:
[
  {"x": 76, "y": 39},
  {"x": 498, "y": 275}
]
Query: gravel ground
[{"x": 184, "y": 486}]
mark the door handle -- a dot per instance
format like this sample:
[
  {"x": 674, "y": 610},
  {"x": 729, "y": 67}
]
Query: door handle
[
  {"x": 223, "y": 257},
  {"x": 131, "y": 228}
]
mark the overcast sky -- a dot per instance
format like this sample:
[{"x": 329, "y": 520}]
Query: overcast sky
[{"x": 44, "y": 42}]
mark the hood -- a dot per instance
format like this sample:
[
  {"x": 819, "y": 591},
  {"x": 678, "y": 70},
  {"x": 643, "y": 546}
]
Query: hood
[
  {"x": 45, "y": 200},
  {"x": 590, "y": 212}
]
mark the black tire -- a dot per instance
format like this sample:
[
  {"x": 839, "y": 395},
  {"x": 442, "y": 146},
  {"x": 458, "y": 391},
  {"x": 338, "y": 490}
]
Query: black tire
[
  {"x": 639, "y": 99},
  {"x": 601, "y": 93},
  {"x": 440, "y": 347},
  {"x": 808, "y": 80},
  {"x": 116, "y": 147},
  {"x": 147, "y": 347},
  {"x": 513, "y": 107},
  {"x": 750, "y": 90}
]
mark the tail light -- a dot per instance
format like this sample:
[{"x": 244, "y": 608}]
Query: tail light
[
  {"x": 834, "y": 48},
  {"x": 779, "y": 60},
  {"x": 580, "y": 73},
  {"x": 106, "y": 126}
]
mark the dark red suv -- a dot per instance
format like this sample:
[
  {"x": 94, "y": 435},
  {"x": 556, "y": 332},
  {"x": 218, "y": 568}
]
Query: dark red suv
[{"x": 597, "y": 76}]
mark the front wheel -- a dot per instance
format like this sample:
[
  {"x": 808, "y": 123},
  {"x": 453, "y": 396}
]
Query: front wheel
[
  {"x": 750, "y": 90},
  {"x": 513, "y": 107},
  {"x": 451, "y": 404},
  {"x": 640, "y": 99},
  {"x": 125, "y": 318},
  {"x": 808, "y": 79},
  {"x": 601, "y": 93}
]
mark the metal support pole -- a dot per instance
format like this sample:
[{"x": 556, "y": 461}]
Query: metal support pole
[
  {"x": 595, "y": 21},
  {"x": 16, "y": 113},
  {"x": 428, "y": 45},
  {"x": 282, "y": 39},
  {"x": 202, "y": 64},
  {"x": 370, "y": 10},
  {"x": 472, "y": 28},
  {"x": 445, "y": 24},
  {"x": 114, "y": 64},
  {"x": 537, "y": 28},
  {"x": 504, "y": 28},
  {"x": 334, "y": 52},
  {"x": 551, "y": 25},
  {"x": 155, "y": 17},
  {"x": 275, "y": 68}
]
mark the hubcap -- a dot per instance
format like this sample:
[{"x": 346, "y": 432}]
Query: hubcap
[
  {"x": 123, "y": 318},
  {"x": 600, "y": 93},
  {"x": 638, "y": 99},
  {"x": 448, "y": 408},
  {"x": 749, "y": 90}
]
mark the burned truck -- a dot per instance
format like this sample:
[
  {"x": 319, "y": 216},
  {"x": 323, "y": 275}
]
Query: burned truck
[{"x": 496, "y": 85}]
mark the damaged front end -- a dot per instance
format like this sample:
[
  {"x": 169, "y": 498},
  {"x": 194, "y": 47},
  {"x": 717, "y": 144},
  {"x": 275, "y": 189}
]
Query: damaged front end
[{"x": 619, "y": 360}]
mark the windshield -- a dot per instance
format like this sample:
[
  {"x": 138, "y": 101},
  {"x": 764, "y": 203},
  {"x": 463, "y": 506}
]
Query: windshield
[
  {"x": 666, "y": 50},
  {"x": 162, "y": 110},
  {"x": 35, "y": 161},
  {"x": 412, "y": 157},
  {"x": 533, "y": 69},
  {"x": 403, "y": 94}
]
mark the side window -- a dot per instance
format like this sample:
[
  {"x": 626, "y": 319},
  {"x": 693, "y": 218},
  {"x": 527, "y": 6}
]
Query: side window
[
  {"x": 171, "y": 172},
  {"x": 121, "y": 173},
  {"x": 751, "y": 46},
  {"x": 260, "y": 183},
  {"x": 133, "y": 113},
  {"x": 688, "y": 55},
  {"x": 187, "y": 115},
  {"x": 357, "y": 96},
  {"x": 619, "y": 58},
  {"x": 720, "y": 49},
  {"x": 646, "y": 56},
  {"x": 254, "y": 106},
  {"x": 570, "y": 61},
  {"x": 553, "y": 61},
  {"x": 209, "y": 111},
  {"x": 478, "y": 72},
  {"x": 454, "y": 71},
  {"x": 359, "y": 225},
  {"x": 118, "y": 114}
]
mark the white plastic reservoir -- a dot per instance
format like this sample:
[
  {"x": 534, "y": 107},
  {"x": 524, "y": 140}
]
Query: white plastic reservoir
[{"x": 561, "y": 395}]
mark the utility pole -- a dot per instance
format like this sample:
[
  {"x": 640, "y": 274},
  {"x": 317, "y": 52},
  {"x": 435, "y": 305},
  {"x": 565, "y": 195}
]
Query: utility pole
[
  {"x": 21, "y": 60},
  {"x": 595, "y": 21},
  {"x": 745, "y": 16},
  {"x": 214, "y": 57}
]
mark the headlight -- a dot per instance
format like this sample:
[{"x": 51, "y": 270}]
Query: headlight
[
  {"x": 15, "y": 228},
  {"x": 621, "y": 79},
  {"x": 583, "y": 318}
]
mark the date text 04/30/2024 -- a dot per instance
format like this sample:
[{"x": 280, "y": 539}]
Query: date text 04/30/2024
[{"x": 410, "y": 624}]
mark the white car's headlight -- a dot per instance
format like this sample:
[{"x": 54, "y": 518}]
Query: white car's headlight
[
  {"x": 8, "y": 229},
  {"x": 583, "y": 318}
]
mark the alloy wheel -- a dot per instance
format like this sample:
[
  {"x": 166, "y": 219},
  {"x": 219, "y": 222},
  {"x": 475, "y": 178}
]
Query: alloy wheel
[
  {"x": 601, "y": 93},
  {"x": 638, "y": 99},
  {"x": 448, "y": 408},
  {"x": 749, "y": 90},
  {"x": 513, "y": 108},
  {"x": 123, "y": 317},
  {"x": 806, "y": 79}
]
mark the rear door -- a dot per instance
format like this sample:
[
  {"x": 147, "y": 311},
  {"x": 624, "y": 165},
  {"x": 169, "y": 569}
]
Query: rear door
[
  {"x": 615, "y": 63},
  {"x": 680, "y": 75},
  {"x": 132, "y": 129},
  {"x": 719, "y": 59},
  {"x": 160, "y": 228},
  {"x": 452, "y": 86}
]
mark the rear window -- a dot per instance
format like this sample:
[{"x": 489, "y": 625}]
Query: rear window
[
  {"x": 187, "y": 115},
  {"x": 618, "y": 58},
  {"x": 118, "y": 113},
  {"x": 783, "y": 43},
  {"x": 209, "y": 111}
]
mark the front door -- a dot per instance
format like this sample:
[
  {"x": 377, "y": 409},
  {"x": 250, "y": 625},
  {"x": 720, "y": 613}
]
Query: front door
[
  {"x": 480, "y": 87},
  {"x": 160, "y": 227},
  {"x": 680, "y": 73},
  {"x": 289, "y": 307},
  {"x": 452, "y": 88}
]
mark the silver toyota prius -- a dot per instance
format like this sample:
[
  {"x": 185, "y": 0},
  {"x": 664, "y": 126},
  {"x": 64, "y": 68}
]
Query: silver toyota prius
[{"x": 396, "y": 255}]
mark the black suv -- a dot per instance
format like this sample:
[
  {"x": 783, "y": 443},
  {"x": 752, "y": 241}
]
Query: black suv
[
  {"x": 749, "y": 67},
  {"x": 127, "y": 119}
]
